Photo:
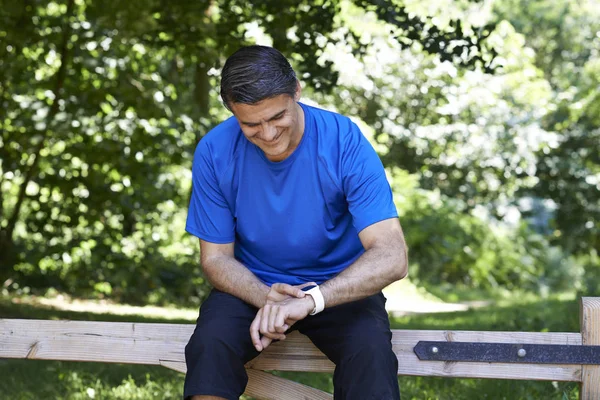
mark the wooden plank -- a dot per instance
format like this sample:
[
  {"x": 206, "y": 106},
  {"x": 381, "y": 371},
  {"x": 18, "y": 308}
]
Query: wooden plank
[
  {"x": 264, "y": 386},
  {"x": 590, "y": 335},
  {"x": 296, "y": 353},
  {"x": 410, "y": 365},
  {"x": 161, "y": 344},
  {"x": 178, "y": 366},
  {"x": 118, "y": 342}
]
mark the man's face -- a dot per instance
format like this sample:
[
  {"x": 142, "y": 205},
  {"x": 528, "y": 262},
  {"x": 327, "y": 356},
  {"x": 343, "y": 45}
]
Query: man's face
[{"x": 275, "y": 125}]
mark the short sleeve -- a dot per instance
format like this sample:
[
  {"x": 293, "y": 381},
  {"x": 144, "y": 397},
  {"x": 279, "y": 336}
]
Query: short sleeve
[
  {"x": 365, "y": 185},
  {"x": 209, "y": 217}
]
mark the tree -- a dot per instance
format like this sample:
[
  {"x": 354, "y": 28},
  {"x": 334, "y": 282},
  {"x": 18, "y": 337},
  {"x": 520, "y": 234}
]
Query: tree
[
  {"x": 518, "y": 143},
  {"x": 565, "y": 40},
  {"x": 102, "y": 105}
]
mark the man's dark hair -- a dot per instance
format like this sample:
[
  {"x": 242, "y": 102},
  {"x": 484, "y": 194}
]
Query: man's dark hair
[{"x": 256, "y": 73}]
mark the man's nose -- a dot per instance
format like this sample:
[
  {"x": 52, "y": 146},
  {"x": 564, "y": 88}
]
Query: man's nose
[{"x": 269, "y": 132}]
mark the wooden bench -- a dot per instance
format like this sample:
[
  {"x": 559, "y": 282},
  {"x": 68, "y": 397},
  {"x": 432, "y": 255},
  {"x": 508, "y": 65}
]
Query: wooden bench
[{"x": 163, "y": 344}]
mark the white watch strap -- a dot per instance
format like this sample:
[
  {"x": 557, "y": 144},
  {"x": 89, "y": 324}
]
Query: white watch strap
[{"x": 318, "y": 298}]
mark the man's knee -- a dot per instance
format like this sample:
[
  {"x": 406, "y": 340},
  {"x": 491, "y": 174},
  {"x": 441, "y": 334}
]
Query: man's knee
[
  {"x": 365, "y": 357},
  {"x": 376, "y": 350},
  {"x": 213, "y": 341},
  {"x": 367, "y": 369},
  {"x": 215, "y": 364},
  {"x": 204, "y": 339}
]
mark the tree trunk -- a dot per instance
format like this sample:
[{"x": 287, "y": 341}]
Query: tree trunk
[
  {"x": 7, "y": 256},
  {"x": 202, "y": 87}
]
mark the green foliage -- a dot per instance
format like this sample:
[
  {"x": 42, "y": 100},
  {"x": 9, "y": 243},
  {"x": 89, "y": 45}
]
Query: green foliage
[
  {"x": 509, "y": 158},
  {"x": 449, "y": 244},
  {"x": 566, "y": 41},
  {"x": 591, "y": 278},
  {"x": 92, "y": 156},
  {"x": 85, "y": 381},
  {"x": 448, "y": 44},
  {"x": 103, "y": 102}
]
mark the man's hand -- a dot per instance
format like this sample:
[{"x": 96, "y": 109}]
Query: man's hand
[
  {"x": 283, "y": 291},
  {"x": 276, "y": 317}
]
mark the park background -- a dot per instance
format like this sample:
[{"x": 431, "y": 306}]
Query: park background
[{"x": 486, "y": 115}]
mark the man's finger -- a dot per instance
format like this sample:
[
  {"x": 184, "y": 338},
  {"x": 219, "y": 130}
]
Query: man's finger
[
  {"x": 272, "y": 317},
  {"x": 254, "y": 333},
  {"x": 265, "y": 342},
  {"x": 264, "y": 319},
  {"x": 280, "y": 325},
  {"x": 289, "y": 290},
  {"x": 274, "y": 336}
]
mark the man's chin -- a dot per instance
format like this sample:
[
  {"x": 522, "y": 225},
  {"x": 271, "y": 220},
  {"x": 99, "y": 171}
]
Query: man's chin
[{"x": 275, "y": 154}]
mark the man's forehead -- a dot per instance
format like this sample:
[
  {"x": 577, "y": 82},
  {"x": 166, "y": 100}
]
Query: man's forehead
[{"x": 262, "y": 111}]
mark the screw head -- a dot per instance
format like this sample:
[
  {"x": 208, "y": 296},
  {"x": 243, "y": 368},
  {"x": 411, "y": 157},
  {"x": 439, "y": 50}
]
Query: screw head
[
  {"x": 521, "y": 353},
  {"x": 434, "y": 350}
]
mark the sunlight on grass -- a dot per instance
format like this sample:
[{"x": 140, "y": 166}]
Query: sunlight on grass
[
  {"x": 66, "y": 303},
  {"x": 403, "y": 297}
]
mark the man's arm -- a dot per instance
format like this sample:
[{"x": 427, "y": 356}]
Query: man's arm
[
  {"x": 383, "y": 262},
  {"x": 228, "y": 275}
]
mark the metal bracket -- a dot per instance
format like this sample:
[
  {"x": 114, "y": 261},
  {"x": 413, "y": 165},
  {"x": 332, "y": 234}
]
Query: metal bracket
[{"x": 508, "y": 353}]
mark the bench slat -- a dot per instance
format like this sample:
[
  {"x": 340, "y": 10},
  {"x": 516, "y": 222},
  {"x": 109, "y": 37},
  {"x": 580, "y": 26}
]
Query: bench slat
[{"x": 264, "y": 386}]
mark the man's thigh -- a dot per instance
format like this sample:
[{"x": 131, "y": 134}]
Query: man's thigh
[
  {"x": 357, "y": 338},
  {"x": 219, "y": 347}
]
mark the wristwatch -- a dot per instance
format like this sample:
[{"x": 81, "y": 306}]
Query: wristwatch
[{"x": 317, "y": 296}]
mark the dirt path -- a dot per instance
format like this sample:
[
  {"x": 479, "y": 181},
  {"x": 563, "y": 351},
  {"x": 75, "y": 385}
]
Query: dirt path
[{"x": 405, "y": 298}]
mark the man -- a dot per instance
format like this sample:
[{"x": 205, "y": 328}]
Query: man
[{"x": 287, "y": 197}]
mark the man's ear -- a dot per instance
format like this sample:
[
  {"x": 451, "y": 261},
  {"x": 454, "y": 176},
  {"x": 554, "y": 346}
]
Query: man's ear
[{"x": 298, "y": 92}]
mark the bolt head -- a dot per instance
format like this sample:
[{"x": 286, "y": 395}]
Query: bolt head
[
  {"x": 434, "y": 350},
  {"x": 521, "y": 353}
]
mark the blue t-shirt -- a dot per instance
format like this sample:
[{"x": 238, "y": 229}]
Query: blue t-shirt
[{"x": 297, "y": 220}]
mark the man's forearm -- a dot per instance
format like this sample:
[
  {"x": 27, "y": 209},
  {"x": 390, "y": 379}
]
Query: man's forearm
[
  {"x": 228, "y": 275},
  {"x": 375, "y": 269}
]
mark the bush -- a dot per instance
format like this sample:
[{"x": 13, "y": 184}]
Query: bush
[
  {"x": 448, "y": 243},
  {"x": 591, "y": 277}
]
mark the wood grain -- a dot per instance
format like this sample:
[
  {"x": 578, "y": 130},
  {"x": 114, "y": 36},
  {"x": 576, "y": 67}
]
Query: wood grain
[
  {"x": 163, "y": 344},
  {"x": 590, "y": 335},
  {"x": 118, "y": 342},
  {"x": 264, "y": 386}
]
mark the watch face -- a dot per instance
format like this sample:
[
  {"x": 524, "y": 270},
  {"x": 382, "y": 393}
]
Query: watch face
[{"x": 306, "y": 289}]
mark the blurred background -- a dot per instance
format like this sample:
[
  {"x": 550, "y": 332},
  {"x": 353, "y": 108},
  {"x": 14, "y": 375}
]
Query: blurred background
[{"x": 486, "y": 114}]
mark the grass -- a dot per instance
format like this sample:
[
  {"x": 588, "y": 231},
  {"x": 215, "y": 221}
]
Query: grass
[{"x": 25, "y": 379}]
